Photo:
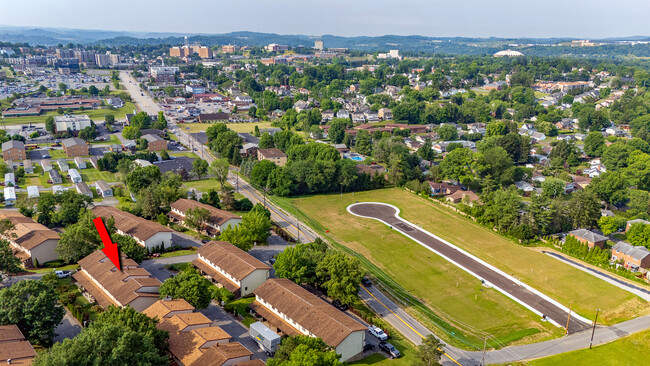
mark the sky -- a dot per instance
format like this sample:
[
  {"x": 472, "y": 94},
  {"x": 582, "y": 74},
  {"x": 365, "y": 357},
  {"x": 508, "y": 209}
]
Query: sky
[{"x": 449, "y": 18}]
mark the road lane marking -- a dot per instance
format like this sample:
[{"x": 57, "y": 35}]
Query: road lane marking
[{"x": 405, "y": 323}]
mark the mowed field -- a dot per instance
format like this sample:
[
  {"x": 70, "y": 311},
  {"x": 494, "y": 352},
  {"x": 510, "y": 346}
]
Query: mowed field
[
  {"x": 237, "y": 127},
  {"x": 453, "y": 293},
  {"x": 629, "y": 351}
]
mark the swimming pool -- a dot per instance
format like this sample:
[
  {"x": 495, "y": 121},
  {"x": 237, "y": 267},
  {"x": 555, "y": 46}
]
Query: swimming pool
[{"x": 355, "y": 158}]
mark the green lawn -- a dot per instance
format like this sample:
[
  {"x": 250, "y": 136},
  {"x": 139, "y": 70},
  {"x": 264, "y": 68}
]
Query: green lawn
[
  {"x": 113, "y": 140},
  {"x": 57, "y": 154},
  {"x": 628, "y": 351},
  {"x": 46, "y": 269},
  {"x": 406, "y": 349},
  {"x": 177, "y": 253},
  {"x": 90, "y": 175},
  {"x": 188, "y": 154},
  {"x": 237, "y": 127},
  {"x": 539, "y": 94},
  {"x": 203, "y": 185},
  {"x": 94, "y": 114},
  {"x": 452, "y": 293}
]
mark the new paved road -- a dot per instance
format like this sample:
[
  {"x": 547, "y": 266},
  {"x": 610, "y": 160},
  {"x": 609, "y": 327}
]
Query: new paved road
[{"x": 389, "y": 215}]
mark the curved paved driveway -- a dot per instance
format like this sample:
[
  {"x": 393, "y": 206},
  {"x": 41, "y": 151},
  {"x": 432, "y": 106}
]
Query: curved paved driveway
[{"x": 515, "y": 289}]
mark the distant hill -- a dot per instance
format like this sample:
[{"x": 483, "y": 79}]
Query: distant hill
[{"x": 412, "y": 43}]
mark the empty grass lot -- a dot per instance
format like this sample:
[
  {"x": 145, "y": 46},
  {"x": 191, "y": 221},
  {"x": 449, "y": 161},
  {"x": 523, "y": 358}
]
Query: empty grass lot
[
  {"x": 623, "y": 352},
  {"x": 203, "y": 185},
  {"x": 237, "y": 127},
  {"x": 94, "y": 114},
  {"x": 91, "y": 175},
  {"x": 434, "y": 280}
]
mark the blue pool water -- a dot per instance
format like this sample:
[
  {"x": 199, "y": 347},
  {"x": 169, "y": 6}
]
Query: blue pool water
[{"x": 356, "y": 158}]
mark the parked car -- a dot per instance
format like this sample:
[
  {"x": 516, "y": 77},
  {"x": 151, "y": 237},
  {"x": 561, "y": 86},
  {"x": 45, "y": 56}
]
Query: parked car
[
  {"x": 390, "y": 349},
  {"x": 366, "y": 282},
  {"x": 377, "y": 332},
  {"x": 337, "y": 304},
  {"x": 62, "y": 274},
  {"x": 272, "y": 260}
]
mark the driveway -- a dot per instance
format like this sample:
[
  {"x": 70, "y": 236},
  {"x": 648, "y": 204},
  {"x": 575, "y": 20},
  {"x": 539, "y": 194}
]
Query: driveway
[
  {"x": 157, "y": 266},
  {"x": 68, "y": 328},
  {"x": 515, "y": 289}
]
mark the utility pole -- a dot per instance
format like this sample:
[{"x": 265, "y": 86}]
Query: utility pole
[
  {"x": 484, "y": 347},
  {"x": 568, "y": 318},
  {"x": 593, "y": 330}
]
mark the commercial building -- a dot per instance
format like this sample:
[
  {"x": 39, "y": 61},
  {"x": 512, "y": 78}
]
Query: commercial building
[
  {"x": 163, "y": 74},
  {"x": 319, "y": 45},
  {"x": 132, "y": 286},
  {"x": 229, "y": 49},
  {"x": 274, "y": 47},
  {"x": 147, "y": 233},
  {"x": 180, "y": 52},
  {"x": 214, "y": 117},
  {"x": 273, "y": 154},
  {"x": 296, "y": 311},
  {"x": 74, "y": 147},
  {"x": 76, "y": 122},
  {"x": 218, "y": 220},
  {"x": 231, "y": 267},
  {"x": 13, "y": 150},
  {"x": 29, "y": 240}
]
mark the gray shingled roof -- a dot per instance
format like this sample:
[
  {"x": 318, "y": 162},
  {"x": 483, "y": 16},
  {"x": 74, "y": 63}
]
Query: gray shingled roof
[
  {"x": 637, "y": 252},
  {"x": 12, "y": 144},
  {"x": 588, "y": 235}
]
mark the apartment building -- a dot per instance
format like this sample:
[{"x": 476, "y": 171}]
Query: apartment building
[
  {"x": 13, "y": 150},
  {"x": 163, "y": 74},
  {"x": 296, "y": 311},
  {"x": 147, "y": 233},
  {"x": 218, "y": 220},
  {"x": 231, "y": 267},
  {"x": 75, "y": 147},
  {"x": 133, "y": 285},
  {"x": 274, "y": 155},
  {"x": 30, "y": 241},
  {"x": 634, "y": 258},
  {"x": 155, "y": 143}
]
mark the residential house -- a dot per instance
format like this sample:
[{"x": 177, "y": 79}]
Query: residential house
[
  {"x": 82, "y": 188},
  {"x": 28, "y": 166},
  {"x": 538, "y": 177},
  {"x": 55, "y": 177},
  {"x": 75, "y": 147},
  {"x": 147, "y": 233},
  {"x": 93, "y": 162},
  {"x": 31, "y": 242},
  {"x": 385, "y": 114},
  {"x": 103, "y": 189},
  {"x": 10, "y": 180},
  {"x": 14, "y": 348},
  {"x": 75, "y": 177},
  {"x": 46, "y": 165},
  {"x": 217, "y": 221},
  {"x": 295, "y": 311},
  {"x": 634, "y": 258},
  {"x": 56, "y": 189},
  {"x": 132, "y": 286},
  {"x": 467, "y": 197},
  {"x": 9, "y": 196},
  {"x": 629, "y": 224},
  {"x": 80, "y": 163},
  {"x": 442, "y": 189},
  {"x": 231, "y": 267},
  {"x": 327, "y": 115},
  {"x": 524, "y": 186},
  {"x": 63, "y": 165},
  {"x": 274, "y": 155},
  {"x": 588, "y": 237},
  {"x": 301, "y": 105},
  {"x": 177, "y": 165},
  {"x": 32, "y": 192},
  {"x": 155, "y": 143},
  {"x": 343, "y": 113},
  {"x": 13, "y": 150}
]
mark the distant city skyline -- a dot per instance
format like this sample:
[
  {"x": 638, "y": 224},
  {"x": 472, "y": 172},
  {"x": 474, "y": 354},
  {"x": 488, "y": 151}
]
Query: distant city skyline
[{"x": 470, "y": 18}]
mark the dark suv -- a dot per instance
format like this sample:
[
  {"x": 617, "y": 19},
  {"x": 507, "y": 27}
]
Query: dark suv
[
  {"x": 337, "y": 304},
  {"x": 390, "y": 349}
]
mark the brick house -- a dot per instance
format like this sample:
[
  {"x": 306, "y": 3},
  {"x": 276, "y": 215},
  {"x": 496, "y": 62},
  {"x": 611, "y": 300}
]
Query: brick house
[
  {"x": 274, "y": 155},
  {"x": 13, "y": 150},
  {"x": 589, "y": 237},
  {"x": 634, "y": 258},
  {"x": 155, "y": 143}
]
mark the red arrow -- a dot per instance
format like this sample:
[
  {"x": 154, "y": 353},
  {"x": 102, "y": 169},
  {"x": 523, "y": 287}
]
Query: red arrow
[{"x": 110, "y": 248}]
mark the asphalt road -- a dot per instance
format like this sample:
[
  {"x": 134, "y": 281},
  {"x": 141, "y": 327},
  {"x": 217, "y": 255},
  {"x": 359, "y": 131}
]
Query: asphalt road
[{"x": 505, "y": 284}]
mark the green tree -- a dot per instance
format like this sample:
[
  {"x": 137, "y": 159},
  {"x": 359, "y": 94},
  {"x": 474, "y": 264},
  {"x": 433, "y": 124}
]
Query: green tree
[
  {"x": 200, "y": 167},
  {"x": 130, "y": 247},
  {"x": 109, "y": 119},
  {"x": 304, "y": 350},
  {"x": 254, "y": 228},
  {"x": 261, "y": 172},
  {"x": 119, "y": 336},
  {"x": 188, "y": 285},
  {"x": 49, "y": 124},
  {"x": 553, "y": 187},
  {"x": 197, "y": 218},
  {"x": 337, "y": 130},
  {"x": 595, "y": 144},
  {"x": 448, "y": 133},
  {"x": 266, "y": 141},
  {"x": 363, "y": 143},
  {"x": 8, "y": 261},
  {"x": 341, "y": 275},
  {"x": 457, "y": 164},
  {"x": 426, "y": 151},
  {"x": 33, "y": 307},
  {"x": 608, "y": 224},
  {"x": 131, "y": 133},
  {"x": 299, "y": 263},
  {"x": 584, "y": 209},
  {"x": 429, "y": 352},
  {"x": 219, "y": 168}
]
